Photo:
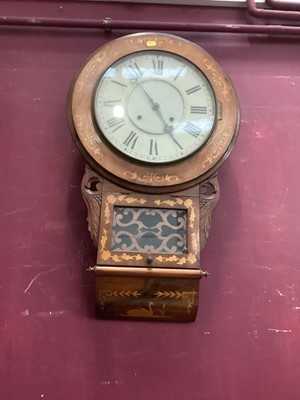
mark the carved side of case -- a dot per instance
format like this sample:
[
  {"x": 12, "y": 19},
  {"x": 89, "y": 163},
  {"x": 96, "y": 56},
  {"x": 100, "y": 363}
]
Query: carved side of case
[
  {"x": 91, "y": 189},
  {"x": 209, "y": 197}
]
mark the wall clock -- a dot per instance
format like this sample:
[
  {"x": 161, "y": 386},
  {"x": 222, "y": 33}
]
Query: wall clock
[{"x": 154, "y": 116}]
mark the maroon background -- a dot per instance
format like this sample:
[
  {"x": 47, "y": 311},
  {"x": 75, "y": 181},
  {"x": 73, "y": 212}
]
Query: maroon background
[{"x": 246, "y": 340}]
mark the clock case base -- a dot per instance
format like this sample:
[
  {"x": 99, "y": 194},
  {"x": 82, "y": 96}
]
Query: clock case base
[
  {"x": 145, "y": 298},
  {"x": 150, "y": 286}
]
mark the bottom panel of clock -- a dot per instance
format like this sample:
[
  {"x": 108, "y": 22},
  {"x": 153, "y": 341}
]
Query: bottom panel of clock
[{"x": 147, "y": 298}]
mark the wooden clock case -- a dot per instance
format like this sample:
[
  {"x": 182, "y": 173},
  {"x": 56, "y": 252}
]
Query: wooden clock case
[{"x": 142, "y": 281}]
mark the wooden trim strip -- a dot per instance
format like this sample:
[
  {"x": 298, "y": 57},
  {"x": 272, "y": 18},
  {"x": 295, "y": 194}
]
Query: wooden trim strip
[{"x": 149, "y": 272}]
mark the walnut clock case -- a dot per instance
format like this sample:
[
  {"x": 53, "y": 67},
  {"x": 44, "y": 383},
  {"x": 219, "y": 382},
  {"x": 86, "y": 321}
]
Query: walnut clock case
[{"x": 154, "y": 116}]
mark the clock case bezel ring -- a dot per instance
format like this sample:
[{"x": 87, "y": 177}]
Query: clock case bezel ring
[{"x": 125, "y": 172}]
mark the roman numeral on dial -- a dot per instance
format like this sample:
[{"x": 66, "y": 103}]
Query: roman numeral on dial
[
  {"x": 192, "y": 129},
  {"x": 198, "y": 110},
  {"x": 193, "y": 89},
  {"x": 111, "y": 103},
  {"x": 119, "y": 83},
  {"x": 131, "y": 139},
  {"x": 135, "y": 70},
  {"x": 179, "y": 73},
  {"x": 153, "y": 147},
  {"x": 115, "y": 123},
  {"x": 158, "y": 66}
]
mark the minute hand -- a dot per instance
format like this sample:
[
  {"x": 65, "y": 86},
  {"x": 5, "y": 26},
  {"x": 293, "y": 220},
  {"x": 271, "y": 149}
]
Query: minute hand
[{"x": 156, "y": 107}]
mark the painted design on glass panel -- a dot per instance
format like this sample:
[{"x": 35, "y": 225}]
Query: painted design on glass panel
[
  {"x": 188, "y": 203},
  {"x": 111, "y": 199},
  {"x": 145, "y": 229},
  {"x": 107, "y": 255}
]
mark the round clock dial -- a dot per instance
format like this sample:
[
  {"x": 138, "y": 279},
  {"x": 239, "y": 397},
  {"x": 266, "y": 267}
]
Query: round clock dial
[{"x": 155, "y": 107}]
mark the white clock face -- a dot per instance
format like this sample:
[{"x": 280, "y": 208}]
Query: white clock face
[{"x": 155, "y": 107}]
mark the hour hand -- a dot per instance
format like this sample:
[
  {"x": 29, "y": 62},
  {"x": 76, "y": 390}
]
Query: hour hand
[
  {"x": 169, "y": 129},
  {"x": 156, "y": 107}
]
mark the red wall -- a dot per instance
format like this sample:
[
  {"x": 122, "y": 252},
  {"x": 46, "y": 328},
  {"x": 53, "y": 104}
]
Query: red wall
[{"x": 245, "y": 343}]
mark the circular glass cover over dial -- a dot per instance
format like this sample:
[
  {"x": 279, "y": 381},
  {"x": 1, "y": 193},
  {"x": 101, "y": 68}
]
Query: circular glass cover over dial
[{"x": 155, "y": 107}]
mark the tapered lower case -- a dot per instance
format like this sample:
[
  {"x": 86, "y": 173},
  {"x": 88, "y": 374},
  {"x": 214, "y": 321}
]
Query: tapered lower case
[{"x": 151, "y": 294}]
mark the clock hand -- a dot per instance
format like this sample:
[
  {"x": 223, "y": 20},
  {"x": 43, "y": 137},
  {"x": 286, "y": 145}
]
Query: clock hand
[
  {"x": 156, "y": 107},
  {"x": 169, "y": 129}
]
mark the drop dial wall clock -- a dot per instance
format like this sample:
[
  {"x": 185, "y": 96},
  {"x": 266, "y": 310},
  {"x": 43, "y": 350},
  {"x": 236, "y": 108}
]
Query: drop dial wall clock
[{"x": 154, "y": 116}]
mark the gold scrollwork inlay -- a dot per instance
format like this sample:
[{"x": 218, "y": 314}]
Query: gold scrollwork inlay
[
  {"x": 188, "y": 296},
  {"x": 103, "y": 294},
  {"x": 112, "y": 199},
  {"x": 89, "y": 71},
  {"x": 217, "y": 151},
  {"x": 103, "y": 240},
  {"x": 191, "y": 258},
  {"x": 158, "y": 40},
  {"x": 218, "y": 80},
  {"x": 107, "y": 255},
  {"x": 107, "y": 213},
  {"x": 151, "y": 177},
  {"x": 194, "y": 241},
  {"x": 87, "y": 137}
]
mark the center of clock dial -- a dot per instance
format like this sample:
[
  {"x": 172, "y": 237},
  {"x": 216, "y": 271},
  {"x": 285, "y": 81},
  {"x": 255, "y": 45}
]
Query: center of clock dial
[{"x": 155, "y": 106}]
